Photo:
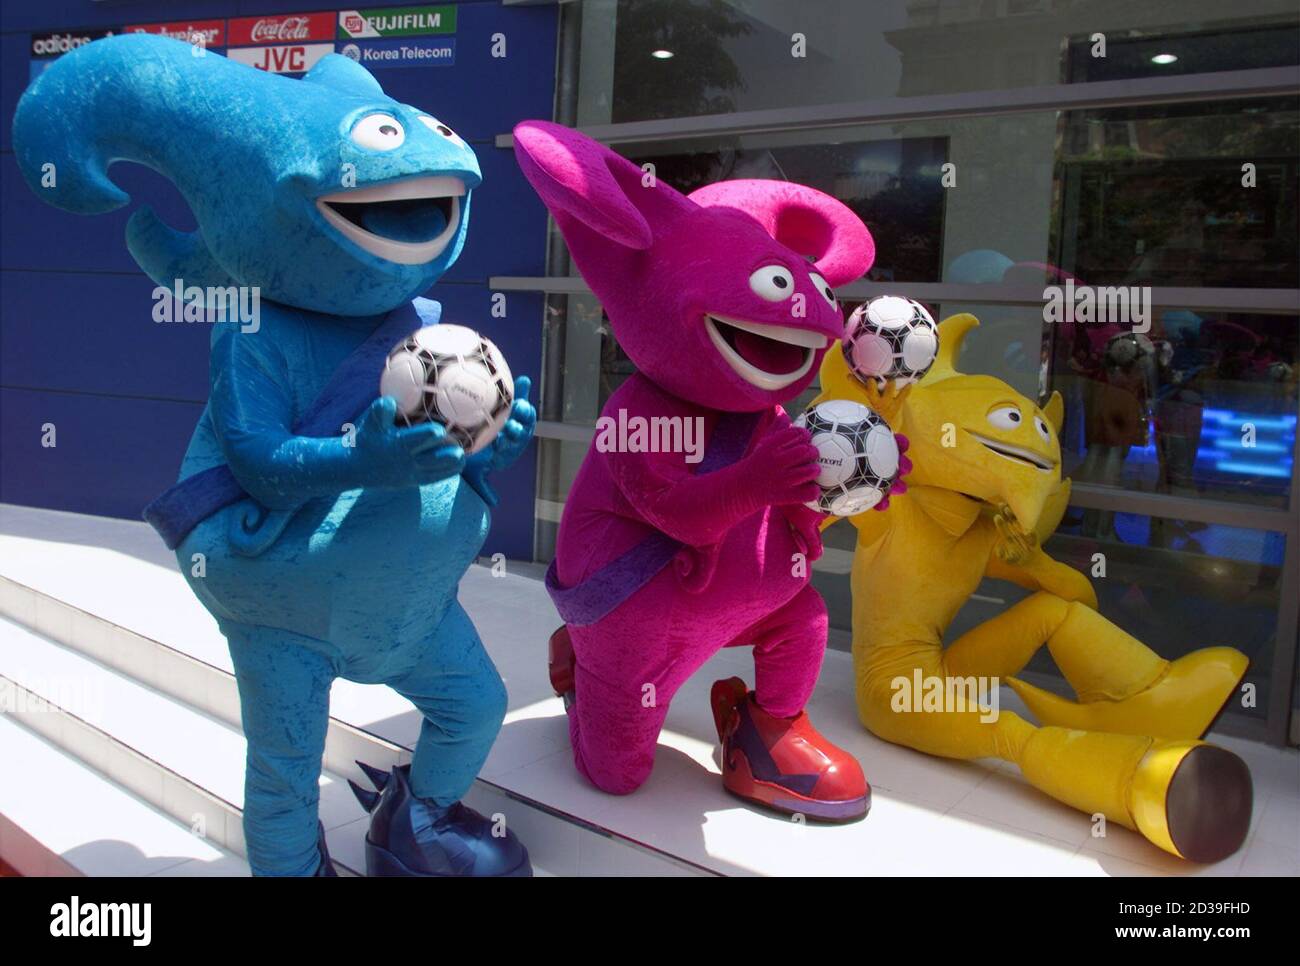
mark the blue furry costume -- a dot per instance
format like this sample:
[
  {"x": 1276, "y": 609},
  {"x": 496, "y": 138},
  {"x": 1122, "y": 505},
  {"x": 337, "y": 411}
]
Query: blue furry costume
[{"x": 332, "y": 540}]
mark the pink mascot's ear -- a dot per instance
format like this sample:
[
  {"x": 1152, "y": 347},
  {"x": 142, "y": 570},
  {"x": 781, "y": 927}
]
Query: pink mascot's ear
[
  {"x": 581, "y": 178},
  {"x": 805, "y": 220}
]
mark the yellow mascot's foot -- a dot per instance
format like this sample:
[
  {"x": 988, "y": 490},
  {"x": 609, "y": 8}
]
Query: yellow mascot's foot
[
  {"x": 1183, "y": 703},
  {"x": 1192, "y": 799}
]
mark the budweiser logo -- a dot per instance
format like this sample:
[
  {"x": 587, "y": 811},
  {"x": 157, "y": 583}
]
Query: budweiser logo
[{"x": 280, "y": 29}]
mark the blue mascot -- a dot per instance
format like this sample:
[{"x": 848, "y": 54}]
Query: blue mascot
[{"x": 333, "y": 541}]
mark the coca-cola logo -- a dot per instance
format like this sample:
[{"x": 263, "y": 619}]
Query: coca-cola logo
[
  {"x": 281, "y": 29},
  {"x": 286, "y": 28}
]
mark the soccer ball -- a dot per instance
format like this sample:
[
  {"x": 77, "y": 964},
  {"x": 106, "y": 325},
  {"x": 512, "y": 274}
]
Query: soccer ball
[
  {"x": 450, "y": 374},
  {"x": 1280, "y": 372},
  {"x": 891, "y": 337},
  {"x": 1128, "y": 349},
  {"x": 858, "y": 455}
]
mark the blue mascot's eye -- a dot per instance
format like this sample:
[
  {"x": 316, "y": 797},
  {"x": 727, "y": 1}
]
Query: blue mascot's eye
[
  {"x": 379, "y": 132},
  {"x": 433, "y": 124}
]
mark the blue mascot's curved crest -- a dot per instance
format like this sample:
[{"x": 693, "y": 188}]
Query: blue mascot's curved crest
[{"x": 323, "y": 192}]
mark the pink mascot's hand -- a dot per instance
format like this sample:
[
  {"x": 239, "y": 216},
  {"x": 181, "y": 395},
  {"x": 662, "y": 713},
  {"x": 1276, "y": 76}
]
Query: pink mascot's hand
[
  {"x": 806, "y": 524},
  {"x": 783, "y": 467}
]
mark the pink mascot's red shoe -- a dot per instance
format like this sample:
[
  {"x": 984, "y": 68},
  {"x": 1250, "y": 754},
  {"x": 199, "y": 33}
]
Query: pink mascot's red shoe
[
  {"x": 784, "y": 763},
  {"x": 560, "y": 664}
]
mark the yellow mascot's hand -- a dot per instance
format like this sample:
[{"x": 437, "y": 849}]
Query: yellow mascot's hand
[
  {"x": 1068, "y": 584},
  {"x": 885, "y": 397}
]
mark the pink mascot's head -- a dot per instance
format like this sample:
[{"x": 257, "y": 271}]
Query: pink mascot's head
[{"x": 722, "y": 298}]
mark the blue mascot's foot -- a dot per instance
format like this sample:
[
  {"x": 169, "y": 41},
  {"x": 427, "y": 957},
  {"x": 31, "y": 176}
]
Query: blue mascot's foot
[
  {"x": 412, "y": 836},
  {"x": 326, "y": 868}
]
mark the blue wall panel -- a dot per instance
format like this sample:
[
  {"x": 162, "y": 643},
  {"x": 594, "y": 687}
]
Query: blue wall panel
[
  {"x": 113, "y": 455},
  {"x": 78, "y": 347},
  {"x": 39, "y": 237},
  {"x": 507, "y": 233},
  {"x": 95, "y": 334}
]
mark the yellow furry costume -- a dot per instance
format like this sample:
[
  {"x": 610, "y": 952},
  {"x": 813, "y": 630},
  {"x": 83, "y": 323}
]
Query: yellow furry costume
[{"x": 985, "y": 490}]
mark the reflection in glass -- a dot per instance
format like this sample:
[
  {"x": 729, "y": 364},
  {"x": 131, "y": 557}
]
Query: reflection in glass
[
  {"x": 1196, "y": 195},
  {"x": 1178, "y": 585},
  {"x": 1205, "y": 403},
  {"x": 648, "y": 59},
  {"x": 893, "y": 185}
]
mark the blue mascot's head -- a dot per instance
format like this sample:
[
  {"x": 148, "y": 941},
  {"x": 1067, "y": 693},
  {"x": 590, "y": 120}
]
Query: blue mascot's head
[{"x": 323, "y": 192}]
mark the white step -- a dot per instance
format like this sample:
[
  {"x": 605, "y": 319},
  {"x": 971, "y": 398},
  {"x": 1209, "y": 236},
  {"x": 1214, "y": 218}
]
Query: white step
[
  {"x": 110, "y": 588},
  {"x": 170, "y": 754},
  {"x": 168, "y": 728},
  {"x": 58, "y": 816}
]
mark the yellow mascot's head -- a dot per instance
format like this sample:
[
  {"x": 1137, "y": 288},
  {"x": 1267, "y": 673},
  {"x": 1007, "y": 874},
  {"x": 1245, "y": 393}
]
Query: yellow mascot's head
[{"x": 971, "y": 434}]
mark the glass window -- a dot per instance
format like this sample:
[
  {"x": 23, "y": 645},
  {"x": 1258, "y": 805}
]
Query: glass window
[
  {"x": 1175, "y": 585},
  {"x": 1178, "y": 585},
  {"x": 647, "y": 59},
  {"x": 1196, "y": 195},
  {"x": 1203, "y": 404}
]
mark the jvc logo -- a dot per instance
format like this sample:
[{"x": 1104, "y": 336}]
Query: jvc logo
[{"x": 103, "y": 919}]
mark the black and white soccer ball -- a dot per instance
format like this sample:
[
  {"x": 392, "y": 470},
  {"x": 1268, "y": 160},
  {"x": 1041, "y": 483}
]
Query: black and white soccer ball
[
  {"x": 891, "y": 338},
  {"x": 450, "y": 374},
  {"x": 858, "y": 455},
  {"x": 1280, "y": 372},
  {"x": 1124, "y": 350}
]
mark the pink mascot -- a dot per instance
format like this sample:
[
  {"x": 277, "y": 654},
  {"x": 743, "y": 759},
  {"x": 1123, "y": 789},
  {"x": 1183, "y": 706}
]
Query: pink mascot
[{"x": 724, "y": 302}]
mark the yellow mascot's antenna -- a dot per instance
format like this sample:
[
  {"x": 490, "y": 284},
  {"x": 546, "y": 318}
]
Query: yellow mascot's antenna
[{"x": 952, "y": 332}]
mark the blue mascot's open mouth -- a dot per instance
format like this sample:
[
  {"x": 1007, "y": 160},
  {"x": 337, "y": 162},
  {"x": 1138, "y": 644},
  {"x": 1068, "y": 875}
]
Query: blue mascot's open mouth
[{"x": 410, "y": 221}]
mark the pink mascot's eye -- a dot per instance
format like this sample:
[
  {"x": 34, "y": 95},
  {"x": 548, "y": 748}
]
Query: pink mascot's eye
[
  {"x": 824, "y": 287},
  {"x": 772, "y": 282}
]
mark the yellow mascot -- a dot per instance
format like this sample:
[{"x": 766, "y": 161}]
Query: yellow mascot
[{"x": 984, "y": 492}]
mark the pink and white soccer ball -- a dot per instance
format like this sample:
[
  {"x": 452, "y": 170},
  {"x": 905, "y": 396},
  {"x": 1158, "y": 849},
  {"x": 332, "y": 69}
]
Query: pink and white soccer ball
[
  {"x": 891, "y": 338},
  {"x": 452, "y": 375},
  {"x": 857, "y": 452}
]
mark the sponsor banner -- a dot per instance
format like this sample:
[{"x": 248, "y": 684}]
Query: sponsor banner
[
  {"x": 55, "y": 43},
  {"x": 282, "y": 59},
  {"x": 212, "y": 33},
  {"x": 286, "y": 28},
  {"x": 373, "y": 54},
  {"x": 396, "y": 22}
]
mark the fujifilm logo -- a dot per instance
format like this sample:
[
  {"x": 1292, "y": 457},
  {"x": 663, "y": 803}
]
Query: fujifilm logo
[{"x": 132, "y": 920}]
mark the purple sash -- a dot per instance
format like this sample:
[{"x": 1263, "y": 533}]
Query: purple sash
[
  {"x": 602, "y": 591},
  {"x": 353, "y": 387}
]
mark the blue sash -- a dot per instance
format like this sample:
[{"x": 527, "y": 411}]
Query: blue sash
[
  {"x": 350, "y": 390},
  {"x": 605, "y": 589}
]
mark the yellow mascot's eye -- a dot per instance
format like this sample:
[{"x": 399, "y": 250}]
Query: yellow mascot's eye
[
  {"x": 1041, "y": 425},
  {"x": 1006, "y": 417}
]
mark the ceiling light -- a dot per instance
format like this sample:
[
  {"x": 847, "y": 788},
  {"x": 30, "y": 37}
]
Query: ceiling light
[
  {"x": 1163, "y": 59},
  {"x": 661, "y": 54}
]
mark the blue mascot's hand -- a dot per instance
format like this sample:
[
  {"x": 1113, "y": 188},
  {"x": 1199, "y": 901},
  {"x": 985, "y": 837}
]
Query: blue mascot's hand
[
  {"x": 394, "y": 456},
  {"x": 509, "y": 445}
]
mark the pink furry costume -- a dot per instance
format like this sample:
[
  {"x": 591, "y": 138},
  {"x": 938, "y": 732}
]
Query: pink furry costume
[{"x": 661, "y": 562}]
